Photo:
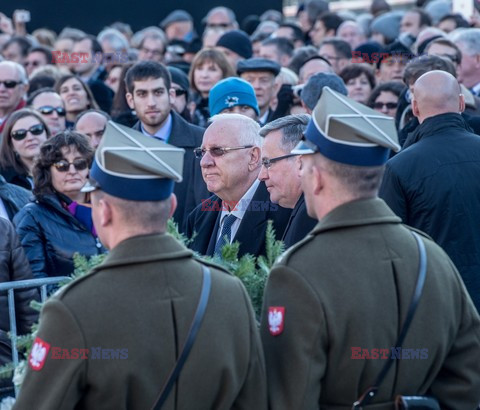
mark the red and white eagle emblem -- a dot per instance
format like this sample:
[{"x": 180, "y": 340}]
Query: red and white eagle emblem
[
  {"x": 276, "y": 319},
  {"x": 38, "y": 355}
]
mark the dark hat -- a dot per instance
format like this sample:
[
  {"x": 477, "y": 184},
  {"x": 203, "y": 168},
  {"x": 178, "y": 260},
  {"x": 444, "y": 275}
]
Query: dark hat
[
  {"x": 133, "y": 166},
  {"x": 174, "y": 17},
  {"x": 231, "y": 92},
  {"x": 396, "y": 50},
  {"x": 312, "y": 90},
  {"x": 387, "y": 24},
  {"x": 236, "y": 41},
  {"x": 348, "y": 132},
  {"x": 179, "y": 77},
  {"x": 258, "y": 64},
  {"x": 368, "y": 52}
]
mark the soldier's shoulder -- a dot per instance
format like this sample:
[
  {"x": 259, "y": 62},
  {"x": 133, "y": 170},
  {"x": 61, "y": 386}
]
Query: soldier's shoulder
[
  {"x": 212, "y": 264},
  {"x": 300, "y": 249},
  {"x": 79, "y": 284}
]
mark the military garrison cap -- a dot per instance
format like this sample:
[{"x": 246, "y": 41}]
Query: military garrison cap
[
  {"x": 258, "y": 64},
  {"x": 348, "y": 132},
  {"x": 130, "y": 165}
]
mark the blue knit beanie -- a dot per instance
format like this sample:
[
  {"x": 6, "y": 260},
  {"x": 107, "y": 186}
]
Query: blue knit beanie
[{"x": 231, "y": 92}]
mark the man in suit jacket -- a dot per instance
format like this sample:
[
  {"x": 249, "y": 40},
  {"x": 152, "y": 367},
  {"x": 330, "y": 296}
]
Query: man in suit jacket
[
  {"x": 150, "y": 95},
  {"x": 340, "y": 297},
  {"x": 145, "y": 293},
  {"x": 280, "y": 173},
  {"x": 240, "y": 208}
]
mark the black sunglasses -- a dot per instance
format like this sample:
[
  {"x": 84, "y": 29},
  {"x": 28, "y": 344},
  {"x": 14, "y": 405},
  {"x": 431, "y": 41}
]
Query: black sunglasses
[
  {"x": 63, "y": 165},
  {"x": 10, "y": 83},
  {"x": 48, "y": 109},
  {"x": 19, "y": 135},
  {"x": 179, "y": 92},
  {"x": 389, "y": 105}
]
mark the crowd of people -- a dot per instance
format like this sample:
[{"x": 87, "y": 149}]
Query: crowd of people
[{"x": 305, "y": 121}]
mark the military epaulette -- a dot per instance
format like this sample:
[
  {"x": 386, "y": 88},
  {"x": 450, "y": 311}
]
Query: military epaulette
[
  {"x": 64, "y": 289},
  {"x": 411, "y": 228},
  {"x": 212, "y": 264},
  {"x": 283, "y": 258}
]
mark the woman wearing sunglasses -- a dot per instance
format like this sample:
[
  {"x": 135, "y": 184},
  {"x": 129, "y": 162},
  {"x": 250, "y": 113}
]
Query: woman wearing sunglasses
[
  {"x": 24, "y": 132},
  {"x": 59, "y": 222}
]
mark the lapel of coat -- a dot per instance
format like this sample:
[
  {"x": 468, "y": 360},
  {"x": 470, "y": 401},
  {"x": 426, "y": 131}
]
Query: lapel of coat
[{"x": 251, "y": 231}]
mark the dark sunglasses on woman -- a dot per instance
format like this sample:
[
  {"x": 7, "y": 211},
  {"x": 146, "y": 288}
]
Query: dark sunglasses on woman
[
  {"x": 19, "y": 135},
  {"x": 48, "y": 109},
  {"x": 63, "y": 165}
]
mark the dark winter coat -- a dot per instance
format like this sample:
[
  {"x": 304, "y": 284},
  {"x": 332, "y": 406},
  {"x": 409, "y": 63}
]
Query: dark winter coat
[
  {"x": 13, "y": 266},
  {"x": 51, "y": 235},
  {"x": 433, "y": 185},
  {"x": 13, "y": 197}
]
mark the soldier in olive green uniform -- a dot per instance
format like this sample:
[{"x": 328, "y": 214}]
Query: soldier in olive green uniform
[
  {"x": 339, "y": 297},
  {"x": 110, "y": 339}
]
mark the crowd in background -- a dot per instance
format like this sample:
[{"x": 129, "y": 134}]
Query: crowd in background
[{"x": 59, "y": 90}]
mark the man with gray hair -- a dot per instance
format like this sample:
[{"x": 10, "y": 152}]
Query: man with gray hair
[
  {"x": 240, "y": 207},
  {"x": 352, "y": 33},
  {"x": 221, "y": 18},
  {"x": 468, "y": 41},
  {"x": 280, "y": 174},
  {"x": 13, "y": 87},
  {"x": 149, "y": 291},
  {"x": 342, "y": 296}
]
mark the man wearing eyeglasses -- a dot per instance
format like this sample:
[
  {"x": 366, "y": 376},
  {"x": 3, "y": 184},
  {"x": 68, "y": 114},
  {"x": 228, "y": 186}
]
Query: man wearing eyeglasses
[
  {"x": 280, "y": 174},
  {"x": 13, "y": 87},
  {"x": 240, "y": 209},
  {"x": 336, "y": 302},
  {"x": 37, "y": 57},
  {"x": 51, "y": 107},
  {"x": 150, "y": 94}
]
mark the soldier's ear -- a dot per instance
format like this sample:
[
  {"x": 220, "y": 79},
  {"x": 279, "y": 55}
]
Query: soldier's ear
[
  {"x": 105, "y": 212},
  {"x": 318, "y": 180},
  {"x": 173, "y": 204}
]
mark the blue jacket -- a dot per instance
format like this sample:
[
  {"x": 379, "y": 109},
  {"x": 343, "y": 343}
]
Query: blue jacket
[{"x": 51, "y": 235}]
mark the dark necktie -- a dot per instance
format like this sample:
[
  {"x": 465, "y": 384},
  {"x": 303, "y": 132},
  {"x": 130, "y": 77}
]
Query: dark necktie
[{"x": 226, "y": 231}]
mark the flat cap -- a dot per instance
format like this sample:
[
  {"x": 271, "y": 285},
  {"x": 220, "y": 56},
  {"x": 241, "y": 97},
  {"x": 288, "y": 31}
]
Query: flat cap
[
  {"x": 387, "y": 24},
  {"x": 348, "y": 132},
  {"x": 174, "y": 17},
  {"x": 133, "y": 166},
  {"x": 312, "y": 90},
  {"x": 258, "y": 64}
]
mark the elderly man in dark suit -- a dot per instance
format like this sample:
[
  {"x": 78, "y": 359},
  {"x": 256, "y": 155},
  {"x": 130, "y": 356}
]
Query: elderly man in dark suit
[
  {"x": 240, "y": 209},
  {"x": 280, "y": 173},
  {"x": 150, "y": 94},
  {"x": 93, "y": 334},
  {"x": 335, "y": 302}
]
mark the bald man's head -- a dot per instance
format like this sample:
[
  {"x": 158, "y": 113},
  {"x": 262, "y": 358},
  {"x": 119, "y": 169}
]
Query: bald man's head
[{"x": 436, "y": 92}]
